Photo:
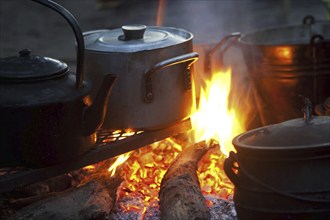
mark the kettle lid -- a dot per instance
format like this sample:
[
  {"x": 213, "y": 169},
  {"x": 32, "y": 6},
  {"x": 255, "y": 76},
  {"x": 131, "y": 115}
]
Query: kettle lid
[{"x": 26, "y": 67}]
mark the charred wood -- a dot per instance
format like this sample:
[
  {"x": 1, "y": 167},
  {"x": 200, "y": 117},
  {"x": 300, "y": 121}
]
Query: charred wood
[
  {"x": 180, "y": 194},
  {"x": 92, "y": 200}
]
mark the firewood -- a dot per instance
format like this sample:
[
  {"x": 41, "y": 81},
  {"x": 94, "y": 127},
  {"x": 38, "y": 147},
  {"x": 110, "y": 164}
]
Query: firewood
[
  {"x": 22, "y": 202},
  {"x": 180, "y": 194},
  {"x": 93, "y": 200}
]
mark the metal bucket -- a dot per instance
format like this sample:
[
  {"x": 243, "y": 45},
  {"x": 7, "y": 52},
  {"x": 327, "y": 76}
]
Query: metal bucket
[{"x": 286, "y": 62}]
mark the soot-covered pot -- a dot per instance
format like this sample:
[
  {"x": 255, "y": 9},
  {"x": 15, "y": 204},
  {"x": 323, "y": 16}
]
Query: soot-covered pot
[
  {"x": 281, "y": 171},
  {"x": 45, "y": 114}
]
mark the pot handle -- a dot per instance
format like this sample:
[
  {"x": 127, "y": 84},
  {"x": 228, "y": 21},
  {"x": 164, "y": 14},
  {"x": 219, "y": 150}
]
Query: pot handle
[
  {"x": 308, "y": 19},
  {"x": 189, "y": 58},
  {"x": 229, "y": 168},
  {"x": 220, "y": 44},
  {"x": 77, "y": 32}
]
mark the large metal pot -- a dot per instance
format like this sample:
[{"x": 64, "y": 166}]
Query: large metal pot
[
  {"x": 285, "y": 62},
  {"x": 45, "y": 114},
  {"x": 281, "y": 171},
  {"x": 154, "y": 64}
]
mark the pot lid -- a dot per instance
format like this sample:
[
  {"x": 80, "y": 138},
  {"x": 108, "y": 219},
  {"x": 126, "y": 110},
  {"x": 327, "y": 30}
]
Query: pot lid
[
  {"x": 134, "y": 38},
  {"x": 292, "y": 134},
  {"x": 27, "y": 67}
]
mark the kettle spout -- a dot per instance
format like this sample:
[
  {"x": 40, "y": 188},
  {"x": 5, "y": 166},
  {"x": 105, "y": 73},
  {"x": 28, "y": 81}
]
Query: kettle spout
[{"x": 94, "y": 115}]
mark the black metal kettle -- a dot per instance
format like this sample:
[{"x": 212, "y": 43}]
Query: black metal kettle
[{"x": 45, "y": 110}]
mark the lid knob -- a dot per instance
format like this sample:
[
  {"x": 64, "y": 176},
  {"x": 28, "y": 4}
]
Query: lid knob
[
  {"x": 307, "y": 109},
  {"x": 25, "y": 53},
  {"x": 133, "y": 32}
]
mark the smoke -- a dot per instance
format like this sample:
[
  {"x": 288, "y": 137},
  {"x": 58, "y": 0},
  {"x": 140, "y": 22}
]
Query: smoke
[{"x": 211, "y": 20}]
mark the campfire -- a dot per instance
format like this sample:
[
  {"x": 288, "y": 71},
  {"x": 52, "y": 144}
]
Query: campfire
[
  {"x": 137, "y": 177},
  {"x": 213, "y": 124},
  {"x": 166, "y": 167},
  {"x": 180, "y": 177}
]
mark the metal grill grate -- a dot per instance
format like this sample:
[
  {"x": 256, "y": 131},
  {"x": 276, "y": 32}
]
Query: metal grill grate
[
  {"x": 106, "y": 136},
  {"x": 110, "y": 144}
]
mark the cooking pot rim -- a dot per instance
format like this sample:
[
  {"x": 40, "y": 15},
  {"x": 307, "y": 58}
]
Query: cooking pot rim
[
  {"x": 248, "y": 38},
  {"x": 167, "y": 36},
  {"x": 238, "y": 144},
  {"x": 321, "y": 121}
]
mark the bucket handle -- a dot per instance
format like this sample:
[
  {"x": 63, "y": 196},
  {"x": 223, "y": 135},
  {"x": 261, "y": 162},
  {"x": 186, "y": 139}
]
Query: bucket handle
[
  {"x": 218, "y": 46},
  {"x": 191, "y": 58},
  {"x": 224, "y": 44},
  {"x": 308, "y": 19},
  {"x": 77, "y": 32},
  {"x": 229, "y": 166}
]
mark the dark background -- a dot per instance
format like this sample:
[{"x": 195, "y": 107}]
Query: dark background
[{"x": 26, "y": 24}]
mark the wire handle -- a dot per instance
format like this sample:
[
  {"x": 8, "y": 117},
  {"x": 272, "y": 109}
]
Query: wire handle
[
  {"x": 307, "y": 109},
  {"x": 229, "y": 166},
  {"x": 77, "y": 32}
]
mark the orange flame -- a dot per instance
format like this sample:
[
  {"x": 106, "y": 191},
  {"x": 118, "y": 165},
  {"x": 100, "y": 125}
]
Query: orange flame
[
  {"x": 89, "y": 168},
  {"x": 213, "y": 119},
  {"x": 120, "y": 160},
  {"x": 160, "y": 12}
]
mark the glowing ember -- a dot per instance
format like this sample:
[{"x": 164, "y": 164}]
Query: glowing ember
[
  {"x": 146, "y": 167},
  {"x": 143, "y": 172},
  {"x": 212, "y": 178}
]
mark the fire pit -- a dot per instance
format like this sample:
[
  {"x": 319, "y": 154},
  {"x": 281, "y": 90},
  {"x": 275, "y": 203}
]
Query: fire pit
[
  {"x": 111, "y": 143},
  {"x": 142, "y": 174},
  {"x": 212, "y": 185}
]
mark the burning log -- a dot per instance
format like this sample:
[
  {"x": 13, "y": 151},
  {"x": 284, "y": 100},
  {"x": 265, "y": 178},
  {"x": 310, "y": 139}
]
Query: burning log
[
  {"x": 180, "y": 193},
  {"x": 92, "y": 200},
  {"x": 24, "y": 196}
]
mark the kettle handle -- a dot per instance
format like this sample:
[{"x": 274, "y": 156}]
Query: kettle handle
[{"x": 77, "y": 32}]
